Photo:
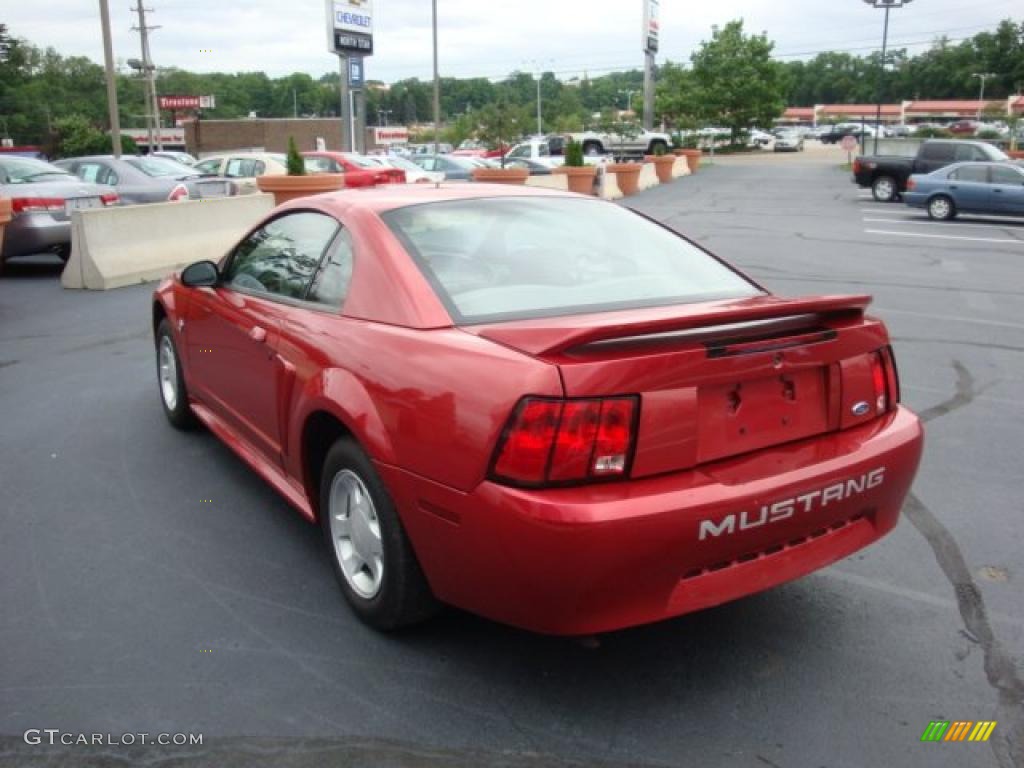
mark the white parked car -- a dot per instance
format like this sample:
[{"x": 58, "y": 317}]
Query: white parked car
[
  {"x": 547, "y": 151},
  {"x": 643, "y": 143},
  {"x": 243, "y": 167},
  {"x": 413, "y": 173}
]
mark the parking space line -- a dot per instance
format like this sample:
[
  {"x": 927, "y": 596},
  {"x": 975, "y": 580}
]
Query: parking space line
[
  {"x": 930, "y": 223},
  {"x": 944, "y": 237}
]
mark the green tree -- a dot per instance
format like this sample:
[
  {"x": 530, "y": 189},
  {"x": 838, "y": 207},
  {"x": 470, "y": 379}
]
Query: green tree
[
  {"x": 735, "y": 80},
  {"x": 77, "y": 136},
  {"x": 500, "y": 123}
]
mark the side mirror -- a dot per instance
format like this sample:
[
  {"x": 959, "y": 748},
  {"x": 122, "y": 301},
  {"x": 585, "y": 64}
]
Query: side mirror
[{"x": 202, "y": 274}]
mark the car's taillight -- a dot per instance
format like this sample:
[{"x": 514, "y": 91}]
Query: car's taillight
[
  {"x": 885, "y": 380},
  {"x": 911, "y": 184},
  {"x": 556, "y": 442},
  {"x": 36, "y": 204},
  {"x": 856, "y": 165},
  {"x": 111, "y": 198},
  {"x": 180, "y": 192}
]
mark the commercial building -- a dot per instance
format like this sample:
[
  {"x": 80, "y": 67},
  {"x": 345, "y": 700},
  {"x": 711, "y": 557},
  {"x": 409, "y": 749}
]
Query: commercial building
[
  {"x": 205, "y": 137},
  {"x": 905, "y": 112}
]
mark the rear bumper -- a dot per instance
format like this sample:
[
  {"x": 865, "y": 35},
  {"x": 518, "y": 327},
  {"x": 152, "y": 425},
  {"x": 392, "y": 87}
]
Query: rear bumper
[
  {"x": 30, "y": 233},
  {"x": 586, "y": 560}
]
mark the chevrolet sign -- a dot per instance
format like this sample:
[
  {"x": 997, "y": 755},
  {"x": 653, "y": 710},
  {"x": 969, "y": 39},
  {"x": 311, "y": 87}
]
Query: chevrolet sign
[{"x": 350, "y": 27}]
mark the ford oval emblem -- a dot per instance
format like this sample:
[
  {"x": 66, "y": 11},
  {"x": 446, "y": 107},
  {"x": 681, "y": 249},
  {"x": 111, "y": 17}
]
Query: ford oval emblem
[{"x": 861, "y": 408}]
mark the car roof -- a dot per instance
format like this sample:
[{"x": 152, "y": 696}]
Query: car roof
[{"x": 391, "y": 196}]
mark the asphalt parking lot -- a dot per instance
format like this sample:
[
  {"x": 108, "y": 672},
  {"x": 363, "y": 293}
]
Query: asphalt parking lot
[{"x": 150, "y": 582}]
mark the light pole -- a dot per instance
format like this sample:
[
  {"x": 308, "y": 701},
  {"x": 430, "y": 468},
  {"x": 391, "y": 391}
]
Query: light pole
[
  {"x": 629, "y": 99},
  {"x": 983, "y": 76},
  {"x": 437, "y": 81},
  {"x": 886, "y": 4},
  {"x": 108, "y": 65},
  {"x": 386, "y": 114}
]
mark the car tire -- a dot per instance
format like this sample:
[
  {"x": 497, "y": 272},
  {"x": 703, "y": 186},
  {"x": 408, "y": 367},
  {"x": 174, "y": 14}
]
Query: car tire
[
  {"x": 171, "y": 380},
  {"x": 368, "y": 547},
  {"x": 884, "y": 189},
  {"x": 592, "y": 148},
  {"x": 63, "y": 252},
  {"x": 941, "y": 208}
]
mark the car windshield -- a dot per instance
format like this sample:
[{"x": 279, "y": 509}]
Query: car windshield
[
  {"x": 516, "y": 257},
  {"x": 400, "y": 162},
  {"x": 160, "y": 167},
  {"x": 25, "y": 170}
]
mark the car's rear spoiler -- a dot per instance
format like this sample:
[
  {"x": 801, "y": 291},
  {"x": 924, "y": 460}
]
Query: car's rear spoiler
[{"x": 552, "y": 335}]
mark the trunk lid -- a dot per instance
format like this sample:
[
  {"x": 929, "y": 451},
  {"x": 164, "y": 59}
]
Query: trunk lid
[{"x": 715, "y": 379}]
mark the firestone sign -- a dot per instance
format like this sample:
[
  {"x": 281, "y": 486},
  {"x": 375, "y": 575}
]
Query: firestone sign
[
  {"x": 187, "y": 102},
  {"x": 391, "y": 135},
  {"x": 350, "y": 27}
]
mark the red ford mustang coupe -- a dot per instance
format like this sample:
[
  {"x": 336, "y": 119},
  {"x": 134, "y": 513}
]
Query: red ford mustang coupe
[{"x": 538, "y": 407}]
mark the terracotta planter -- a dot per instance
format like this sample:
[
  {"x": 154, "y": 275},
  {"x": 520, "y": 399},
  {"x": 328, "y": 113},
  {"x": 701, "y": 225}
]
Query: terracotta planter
[
  {"x": 692, "y": 158},
  {"x": 501, "y": 175},
  {"x": 1016, "y": 154},
  {"x": 580, "y": 178},
  {"x": 285, "y": 188},
  {"x": 627, "y": 174},
  {"x": 5, "y": 216},
  {"x": 662, "y": 165}
]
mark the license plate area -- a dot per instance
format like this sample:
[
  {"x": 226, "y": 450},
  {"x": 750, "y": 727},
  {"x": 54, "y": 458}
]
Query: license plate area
[
  {"x": 81, "y": 203},
  {"x": 742, "y": 416}
]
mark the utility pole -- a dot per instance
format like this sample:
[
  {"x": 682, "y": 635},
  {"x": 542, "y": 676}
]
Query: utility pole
[
  {"x": 648, "y": 91},
  {"x": 149, "y": 72},
  {"x": 886, "y": 4},
  {"x": 346, "y": 106},
  {"x": 651, "y": 35},
  {"x": 983, "y": 76},
  {"x": 108, "y": 62},
  {"x": 437, "y": 83}
]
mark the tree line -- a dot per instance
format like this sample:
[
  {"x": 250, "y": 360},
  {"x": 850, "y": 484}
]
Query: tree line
[{"x": 732, "y": 79}]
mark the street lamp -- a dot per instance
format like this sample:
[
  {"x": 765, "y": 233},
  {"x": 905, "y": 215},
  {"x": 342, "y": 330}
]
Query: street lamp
[
  {"x": 983, "y": 76},
  {"x": 886, "y": 4}
]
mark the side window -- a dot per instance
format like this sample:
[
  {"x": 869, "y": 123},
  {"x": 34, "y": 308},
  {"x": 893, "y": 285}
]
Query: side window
[
  {"x": 88, "y": 172},
  {"x": 544, "y": 150},
  {"x": 281, "y": 257},
  {"x": 330, "y": 286},
  {"x": 977, "y": 173},
  {"x": 967, "y": 152},
  {"x": 208, "y": 166},
  {"x": 240, "y": 167},
  {"x": 942, "y": 152},
  {"x": 1006, "y": 176},
  {"x": 258, "y": 168},
  {"x": 428, "y": 164},
  {"x": 520, "y": 151}
]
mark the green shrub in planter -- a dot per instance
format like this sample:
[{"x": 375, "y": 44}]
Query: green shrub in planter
[
  {"x": 574, "y": 154},
  {"x": 295, "y": 163}
]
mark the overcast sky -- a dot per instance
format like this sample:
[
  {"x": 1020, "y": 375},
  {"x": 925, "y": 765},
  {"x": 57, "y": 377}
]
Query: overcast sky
[{"x": 477, "y": 37}]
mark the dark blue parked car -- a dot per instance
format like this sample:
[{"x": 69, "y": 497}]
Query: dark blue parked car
[{"x": 968, "y": 188}]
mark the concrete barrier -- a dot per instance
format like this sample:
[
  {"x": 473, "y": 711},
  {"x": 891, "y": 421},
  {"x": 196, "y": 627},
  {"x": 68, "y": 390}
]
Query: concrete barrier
[
  {"x": 607, "y": 185},
  {"x": 680, "y": 168},
  {"x": 554, "y": 181},
  {"x": 648, "y": 177},
  {"x": 125, "y": 245}
]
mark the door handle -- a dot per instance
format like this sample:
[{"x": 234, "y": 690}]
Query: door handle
[
  {"x": 998, "y": 191},
  {"x": 258, "y": 334},
  {"x": 953, "y": 186}
]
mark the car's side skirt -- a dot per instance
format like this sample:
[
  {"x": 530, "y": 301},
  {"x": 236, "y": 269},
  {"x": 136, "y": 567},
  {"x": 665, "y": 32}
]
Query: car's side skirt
[{"x": 278, "y": 480}]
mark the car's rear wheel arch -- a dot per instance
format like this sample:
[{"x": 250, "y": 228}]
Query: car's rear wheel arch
[
  {"x": 321, "y": 430},
  {"x": 159, "y": 313}
]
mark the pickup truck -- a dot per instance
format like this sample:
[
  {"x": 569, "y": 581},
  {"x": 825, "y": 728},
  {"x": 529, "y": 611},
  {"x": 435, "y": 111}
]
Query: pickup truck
[
  {"x": 644, "y": 143},
  {"x": 887, "y": 175}
]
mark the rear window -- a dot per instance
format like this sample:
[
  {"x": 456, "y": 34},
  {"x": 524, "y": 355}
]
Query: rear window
[{"x": 515, "y": 258}]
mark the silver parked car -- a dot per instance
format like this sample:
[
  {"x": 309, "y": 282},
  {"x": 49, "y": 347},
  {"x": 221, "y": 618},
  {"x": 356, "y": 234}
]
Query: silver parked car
[
  {"x": 147, "y": 179},
  {"x": 789, "y": 141},
  {"x": 42, "y": 199}
]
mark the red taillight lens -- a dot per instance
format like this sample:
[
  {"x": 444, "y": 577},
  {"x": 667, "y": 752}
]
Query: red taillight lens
[
  {"x": 911, "y": 184},
  {"x": 878, "y": 381},
  {"x": 856, "y": 166},
  {"x": 180, "y": 192},
  {"x": 111, "y": 198},
  {"x": 892, "y": 376},
  {"x": 36, "y": 204},
  {"x": 527, "y": 445},
  {"x": 553, "y": 442}
]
